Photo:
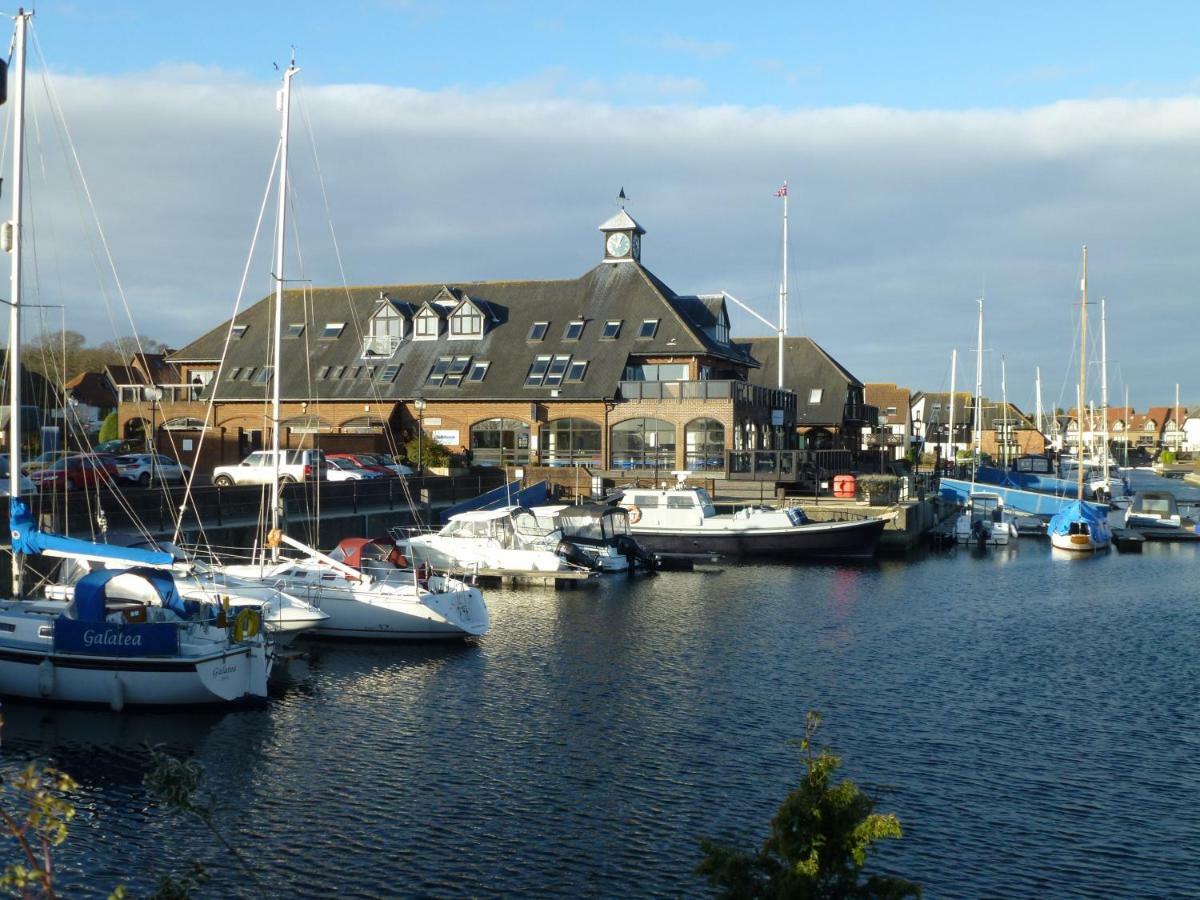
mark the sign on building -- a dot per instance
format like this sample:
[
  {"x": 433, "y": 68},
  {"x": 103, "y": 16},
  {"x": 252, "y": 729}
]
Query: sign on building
[{"x": 447, "y": 437}]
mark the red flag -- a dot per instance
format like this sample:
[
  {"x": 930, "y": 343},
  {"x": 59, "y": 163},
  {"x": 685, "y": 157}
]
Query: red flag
[{"x": 782, "y": 192}]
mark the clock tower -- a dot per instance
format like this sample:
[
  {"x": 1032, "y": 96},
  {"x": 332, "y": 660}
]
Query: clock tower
[{"x": 622, "y": 238}]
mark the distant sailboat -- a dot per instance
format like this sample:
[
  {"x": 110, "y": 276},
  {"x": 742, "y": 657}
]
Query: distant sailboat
[{"x": 1079, "y": 527}]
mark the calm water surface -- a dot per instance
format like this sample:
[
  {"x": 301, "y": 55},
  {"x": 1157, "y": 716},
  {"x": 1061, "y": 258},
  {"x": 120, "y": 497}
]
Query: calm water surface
[{"x": 1032, "y": 718}]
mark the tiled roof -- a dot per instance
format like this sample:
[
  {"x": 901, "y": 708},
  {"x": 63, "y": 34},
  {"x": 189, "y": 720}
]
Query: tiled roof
[
  {"x": 885, "y": 396},
  {"x": 92, "y": 389},
  {"x": 806, "y": 367}
]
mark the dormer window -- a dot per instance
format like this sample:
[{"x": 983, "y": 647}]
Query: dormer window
[
  {"x": 385, "y": 331},
  {"x": 612, "y": 330},
  {"x": 466, "y": 322},
  {"x": 537, "y": 331},
  {"x": 427, "y": 326},
  {"x": 649, "y": 329},
  {"x": 574, "y": 330},
  {"x": 722, "y": 329}
]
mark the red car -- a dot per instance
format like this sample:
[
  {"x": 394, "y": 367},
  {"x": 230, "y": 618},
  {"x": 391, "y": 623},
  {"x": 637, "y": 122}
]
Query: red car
[
  {"x": 75, "y": 472},
  {"x": 364, "y": 461}
]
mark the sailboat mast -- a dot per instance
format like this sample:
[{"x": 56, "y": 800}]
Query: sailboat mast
[
  {"x": 1037, "y": 380},
  {"x": 285, "y": 105},
  {"x": 1178, "y": 430},
  {"x": 783, "y": 287},
  {"x": 1082, "y": 370},
  {"x": 950, "y": 455},
  {"x": 1104, "y": 385},
  {"x": 14, "y": 310},
  {"x": 1004, "y": 425},
  {"x": 978, "y": 439}
]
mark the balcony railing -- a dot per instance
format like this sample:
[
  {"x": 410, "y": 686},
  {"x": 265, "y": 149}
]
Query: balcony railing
[
  {"x": 380, "y": 346},
  {"x": 741, "y": 391},
  {"x": 861, "y": 414}
]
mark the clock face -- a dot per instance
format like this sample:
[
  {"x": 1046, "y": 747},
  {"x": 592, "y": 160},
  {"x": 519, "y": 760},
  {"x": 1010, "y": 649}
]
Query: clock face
[{"x": 618, "y": 244}]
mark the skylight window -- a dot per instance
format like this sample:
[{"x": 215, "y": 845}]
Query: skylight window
[
  {"x": 478, "y": 371},
  {"x": 239, "y": 331},
  {"x": 263, "y": 376},
  {"x": 248, "y": 373},
  {"x": 577, "y": 371},
  {"x": 458, "y": 369},
  {"x": 389, "y": 373},
  {"x": 815, "y": 395},
  {"x": 573, "y": 331},
  {"x": 558, "y": 368},
  {"x": 332, "y": 330},
  {"x": 323, "y": 373},
  {"x": 369, "y": 372},
  {"x": 612, "y": 330},
  {"x": 234, "y": 373},
  {"x": 438, "y": 373},
  {"x": 338, "y": 372},
  {"x": 538, "y": 331},
  {"x": 649, "y": 328},
  {"x": 294, "y": 330},
  {"x": 537, "y": 371},
  {"x": 356, "y": 371}
]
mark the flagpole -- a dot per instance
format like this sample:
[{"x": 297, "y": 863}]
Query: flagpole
[{"x": 783, "y": 287}]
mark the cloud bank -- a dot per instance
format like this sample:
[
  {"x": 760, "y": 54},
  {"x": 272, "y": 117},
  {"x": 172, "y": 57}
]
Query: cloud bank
[{"x": 898, "y": 218}]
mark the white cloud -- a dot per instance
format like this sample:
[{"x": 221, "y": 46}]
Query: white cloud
[{"x": 897, "y": 216}]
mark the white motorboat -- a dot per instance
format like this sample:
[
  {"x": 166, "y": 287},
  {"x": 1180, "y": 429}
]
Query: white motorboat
[
  {"x": 510, "y": 539},
  {"x": 367, "y": 594},
  {"x": 599, "y": 530},
  {"x": 683, "y": 520},
  {"x": 1156, "y": 510},
  {"x": 984, "y": 521}
]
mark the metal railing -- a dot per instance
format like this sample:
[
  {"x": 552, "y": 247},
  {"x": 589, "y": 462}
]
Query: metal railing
[
  {"x": 382, "y": 345},
  {"x": 742, "y": 391}
]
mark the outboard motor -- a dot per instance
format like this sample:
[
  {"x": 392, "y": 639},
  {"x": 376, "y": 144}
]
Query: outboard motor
[
  {"x": 572, "y": 554},
  {"x": 980, "y": 533},
  {"x": 633, "y": 552}
]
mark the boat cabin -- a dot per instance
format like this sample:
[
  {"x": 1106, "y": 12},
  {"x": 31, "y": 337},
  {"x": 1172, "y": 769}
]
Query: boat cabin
[
  {"x": 585, "y": 523},
  {"x": 675, "y": 508},
  {"x": 510, "y": 527}
]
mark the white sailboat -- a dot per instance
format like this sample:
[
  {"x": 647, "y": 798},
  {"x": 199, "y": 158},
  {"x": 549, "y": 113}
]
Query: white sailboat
[
  {"x": 109, "y": 645},
  {"x": 1078, "y": 527},
  {"x": 361, "y": 601}
]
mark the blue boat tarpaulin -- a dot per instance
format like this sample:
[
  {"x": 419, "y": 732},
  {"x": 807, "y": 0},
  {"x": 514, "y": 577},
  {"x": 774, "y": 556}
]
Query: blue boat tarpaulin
[
  {"x": 27, "y": 539},
  {"x": 511, "y": 494}
]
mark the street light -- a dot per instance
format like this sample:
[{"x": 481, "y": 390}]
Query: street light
[
  {"x": 419, "y": 405},
  {"x": 152, "y": 395}
]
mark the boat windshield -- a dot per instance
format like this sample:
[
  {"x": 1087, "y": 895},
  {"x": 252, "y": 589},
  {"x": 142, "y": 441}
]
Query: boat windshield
[
  {"x": 706, "y": 503},
  {"x": 796, "y": 516}
]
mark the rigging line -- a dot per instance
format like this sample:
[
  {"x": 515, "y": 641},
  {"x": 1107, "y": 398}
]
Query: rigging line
[{"x": 216, "y": 380}]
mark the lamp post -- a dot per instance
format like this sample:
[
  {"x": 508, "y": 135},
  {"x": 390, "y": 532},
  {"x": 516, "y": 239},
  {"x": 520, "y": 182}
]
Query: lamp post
[
  {"x": 419, "y": 406},
  {"x": 152, "y": 396}
]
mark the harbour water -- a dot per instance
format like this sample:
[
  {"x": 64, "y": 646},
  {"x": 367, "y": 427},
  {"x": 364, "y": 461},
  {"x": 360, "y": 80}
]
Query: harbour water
[{"x": 1030, "y": 718}]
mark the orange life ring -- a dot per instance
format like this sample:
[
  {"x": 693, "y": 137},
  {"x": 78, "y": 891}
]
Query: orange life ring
[{"x": 635, "y": 515}]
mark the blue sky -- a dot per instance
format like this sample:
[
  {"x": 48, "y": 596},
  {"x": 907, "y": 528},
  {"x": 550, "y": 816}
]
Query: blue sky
[
  {"x": 931, "y": 148},
  {"x": 906, "y": 55}
]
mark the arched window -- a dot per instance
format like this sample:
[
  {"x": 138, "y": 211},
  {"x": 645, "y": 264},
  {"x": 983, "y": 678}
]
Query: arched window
[
  {"x": 704, "y": 443},
  {"x": 183, "y": 423},
  {"x": 571, "y": 442},
  {"x": 500, "y": 442},
  {"x": 643, "y": 444}
]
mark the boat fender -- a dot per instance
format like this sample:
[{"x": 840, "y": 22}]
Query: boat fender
[
  {"x": 635, "y": 515},
  {"x": 45, "y": 678},
  {"x": 246, "y": 625},
  {"x": 116, "y": 697}
]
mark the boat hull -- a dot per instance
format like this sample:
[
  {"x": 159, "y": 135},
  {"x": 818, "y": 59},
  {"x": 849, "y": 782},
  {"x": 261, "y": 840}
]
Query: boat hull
[{"x": 819, "y": 540}]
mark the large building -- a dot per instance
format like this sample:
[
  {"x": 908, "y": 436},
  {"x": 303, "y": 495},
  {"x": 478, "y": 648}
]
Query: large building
[{"x": 612, "y": 369}]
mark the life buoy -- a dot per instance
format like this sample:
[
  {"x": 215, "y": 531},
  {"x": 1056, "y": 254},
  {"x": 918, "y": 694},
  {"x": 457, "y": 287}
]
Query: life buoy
[
  {"x": 246, "y": 625},
  {"x": 635, "y": 515},
  {"x": 134, "y": 615}
]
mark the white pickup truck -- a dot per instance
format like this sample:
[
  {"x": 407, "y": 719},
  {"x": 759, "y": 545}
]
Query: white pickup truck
[{"x": 259, "y": 468}]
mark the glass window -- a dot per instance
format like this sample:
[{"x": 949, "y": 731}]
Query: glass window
[
  {"x": 356, "y": 371},
  {"x": 338, "y": 372},
  {"x": 248, "y": 373},
  {"x": 332, "y": 330},
  {"x": 558, "y": 368},
  {"x": 538, "y": 331},
  {"x": 467, "y": 322},
  {"x": 323, "y": 372},
  {"x": 294, "y": 330},
  {"x": 458, "y": 368},
  {"x": 427, "y": 325},
  {"x": 578, "y": 371},
  {"x": 234, "y": 373},
  {"x": 612, "y": 329},
  {"x": 263, "y": 376},
  {"x": 680, "y": 501},
  {"x": 438, "y": 372},
  {"x": 239, "y": 332},
  {"x": 704, "y": 445},
  {"x": 815, "y": 395},
  {"x": 389, "y": 373},
  {"x": 647, "y": 501},
  {"x": 478, "y": 371},
  {"x": 573, "y": 331},
  {"x": 537, "y": 371},
  {"x": 649, "y": 328},
  {"x": 500, "y": 442},
  {"x": 643, "y": 444},
  {"x": 571, "y": 442}
]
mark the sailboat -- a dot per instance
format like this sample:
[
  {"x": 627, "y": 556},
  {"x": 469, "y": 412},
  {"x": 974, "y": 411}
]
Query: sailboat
[
  {"x": 365, "y": 594},
  {"x": 115, "y": 643},
  {"x": 1078, "y": 527}
]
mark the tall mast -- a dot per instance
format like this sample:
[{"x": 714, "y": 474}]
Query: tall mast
[
  {"x": 14, "y": 311},
  {"x": 1104, "y": 384},
  {"x": 978, "y": 439},
  {"x": 285, "y": 105},
  {"x": 1178, "y": 430},
  {"x": 1037, "y": 380},
  {"x": 1127, "y": 416},
  {"x": 1082, "y": 370},
  {"x": 950, "y": 454},
  {"x": 783, "y": 287},
  {"x": 1004, "y": 424}
]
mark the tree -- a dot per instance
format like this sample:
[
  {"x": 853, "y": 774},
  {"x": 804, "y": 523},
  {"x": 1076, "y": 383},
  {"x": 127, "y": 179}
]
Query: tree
[
  {"x": 108, "y": 428},
  {"x": 35, "y": 813},
  {"x": 61, "y": 355},
  {"x": 818, "y": 843},
  {"x": 433, "y": 453}
]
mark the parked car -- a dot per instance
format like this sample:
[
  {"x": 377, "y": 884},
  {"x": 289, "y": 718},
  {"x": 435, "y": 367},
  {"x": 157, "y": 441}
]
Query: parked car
[
  {"x": 365, "y": 461},
  {"x": 390, "y": 462},
  {"x": 75, "y": 472},
  {"x": 259, "y": 468},
  {"x": 121, "y": 446},
  {"x": 43, "y": 460},
  {"x": 343, "y": 469},
  {"x": 143, "y": 468},
  {"x": 27, "y": 485}
]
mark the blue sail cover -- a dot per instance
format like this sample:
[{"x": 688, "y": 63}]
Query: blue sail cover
[
  {"x": 87, "y": 631},
  {"x": 1060, "y": 522},
  {"x": 27, "y": 539}
]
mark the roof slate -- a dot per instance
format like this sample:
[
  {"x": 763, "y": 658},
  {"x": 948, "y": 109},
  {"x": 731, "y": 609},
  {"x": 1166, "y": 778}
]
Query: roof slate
[{"x": 806, "y": 366}]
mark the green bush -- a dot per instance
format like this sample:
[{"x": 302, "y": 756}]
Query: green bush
[
  {"x": 432, "y": 453},
  {"x": 1167, "y": 457},
  {"x": 108, "y": 428}
]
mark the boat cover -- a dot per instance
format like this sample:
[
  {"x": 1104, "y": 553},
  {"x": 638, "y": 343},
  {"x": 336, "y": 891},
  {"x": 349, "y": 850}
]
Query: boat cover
[
  {"x": 27, "y": 539},
  {"x": 1075, "y": 511},
  {"x": 89, "y": 633}
]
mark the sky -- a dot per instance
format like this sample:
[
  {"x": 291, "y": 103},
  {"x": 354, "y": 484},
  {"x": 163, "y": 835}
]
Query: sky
[{"x": 933, "y": 151}]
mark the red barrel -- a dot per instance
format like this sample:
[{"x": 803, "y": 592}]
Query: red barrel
[{"x": 843, "y": 486}]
